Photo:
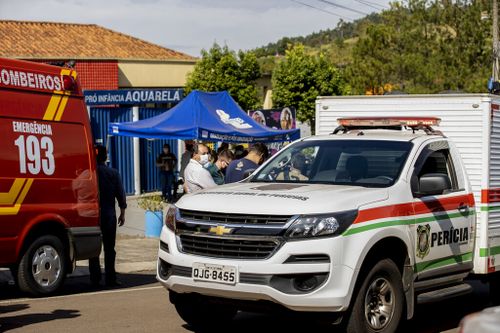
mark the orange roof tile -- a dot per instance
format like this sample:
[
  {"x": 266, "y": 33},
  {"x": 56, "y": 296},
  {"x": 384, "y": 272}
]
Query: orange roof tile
[{"x": 52, "y": 40}]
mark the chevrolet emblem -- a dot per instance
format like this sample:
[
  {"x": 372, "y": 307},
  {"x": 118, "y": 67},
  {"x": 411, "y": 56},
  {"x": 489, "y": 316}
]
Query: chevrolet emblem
[{"x": 220, "y": 230}]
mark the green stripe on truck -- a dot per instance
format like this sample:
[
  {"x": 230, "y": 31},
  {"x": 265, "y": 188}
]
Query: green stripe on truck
[
  {"x": 492, "y": 251},
  {"x": 437, "y": 263},
  {"x": 392, "y": 223}
]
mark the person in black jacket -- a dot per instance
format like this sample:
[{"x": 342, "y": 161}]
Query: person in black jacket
[
  {"x": 166, "y": 162},
  {"x": 110, "y": 189}
]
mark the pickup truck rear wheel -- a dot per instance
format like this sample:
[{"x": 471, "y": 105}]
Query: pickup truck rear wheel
[
  {"x": 495, "y": 288},
  {"x": 378, "y": 305},
  {"x": 42, "y": 268},
  {"x": 198, "y": 311}
]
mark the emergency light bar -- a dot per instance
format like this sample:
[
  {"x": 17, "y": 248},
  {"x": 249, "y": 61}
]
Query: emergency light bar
[{"x": 388, "y": 122}]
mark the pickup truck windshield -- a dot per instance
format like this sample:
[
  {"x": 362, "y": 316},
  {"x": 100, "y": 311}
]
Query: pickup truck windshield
[{"x": 370, "y": 163}]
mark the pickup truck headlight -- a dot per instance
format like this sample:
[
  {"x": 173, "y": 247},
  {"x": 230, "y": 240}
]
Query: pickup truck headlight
[
  {"x": 324, "y": 225},
  {"x": 171, "y": 217}
]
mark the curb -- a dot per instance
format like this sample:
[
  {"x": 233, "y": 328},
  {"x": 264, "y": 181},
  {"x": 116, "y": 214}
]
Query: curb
[
  {"x": 5, "y": 276},
  {"x": 121, "y": 268},
  {"x": 83, "y": 270}
]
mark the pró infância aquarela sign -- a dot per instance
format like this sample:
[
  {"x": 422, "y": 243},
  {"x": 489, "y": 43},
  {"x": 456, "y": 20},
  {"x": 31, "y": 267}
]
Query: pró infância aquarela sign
[{"x": 132, "y": 96}]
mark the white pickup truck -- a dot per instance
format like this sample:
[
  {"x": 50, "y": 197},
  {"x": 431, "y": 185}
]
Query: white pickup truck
[{"x": 360, "y": 224}]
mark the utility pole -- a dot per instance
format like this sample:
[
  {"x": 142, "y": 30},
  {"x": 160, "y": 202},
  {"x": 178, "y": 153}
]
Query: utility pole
[{"x": 494, "y": 74}]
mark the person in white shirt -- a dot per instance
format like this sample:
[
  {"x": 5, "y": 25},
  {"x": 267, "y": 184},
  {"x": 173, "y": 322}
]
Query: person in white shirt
[{"x": 195, "y": 175}]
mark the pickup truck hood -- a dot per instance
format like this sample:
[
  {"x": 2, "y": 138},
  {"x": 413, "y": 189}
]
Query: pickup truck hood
[{"x": 281, "y": 198}]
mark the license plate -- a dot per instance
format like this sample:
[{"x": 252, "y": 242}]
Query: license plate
[{"x": 215, "y": 273}]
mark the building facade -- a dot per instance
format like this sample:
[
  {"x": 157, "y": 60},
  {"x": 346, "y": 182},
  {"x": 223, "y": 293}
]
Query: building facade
[{"x": 107, "y": 60}]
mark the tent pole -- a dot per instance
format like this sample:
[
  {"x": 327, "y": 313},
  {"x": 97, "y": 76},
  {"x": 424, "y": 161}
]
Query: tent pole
[
  {"x": 107, "y": 146},
  {"x": 137, "y": 155},
  {"x": 180, "y": 151}
]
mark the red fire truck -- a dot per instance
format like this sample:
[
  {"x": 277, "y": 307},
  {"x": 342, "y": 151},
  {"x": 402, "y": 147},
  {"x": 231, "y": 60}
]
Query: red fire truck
[{"x": 49, "y": 213}]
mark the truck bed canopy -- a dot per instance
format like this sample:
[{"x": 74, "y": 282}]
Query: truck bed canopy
[{"x": 211, "y": 116}]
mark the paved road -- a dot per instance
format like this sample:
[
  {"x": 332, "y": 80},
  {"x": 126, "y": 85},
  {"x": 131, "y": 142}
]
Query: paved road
[{"x": 141, "y": 305}]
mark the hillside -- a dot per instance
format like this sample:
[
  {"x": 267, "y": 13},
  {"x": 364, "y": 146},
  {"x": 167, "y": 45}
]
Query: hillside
[
  {"x": 343, "y": 31},
  {"x": 335, "y": 43},
  {"x": 418, "y": 46}
]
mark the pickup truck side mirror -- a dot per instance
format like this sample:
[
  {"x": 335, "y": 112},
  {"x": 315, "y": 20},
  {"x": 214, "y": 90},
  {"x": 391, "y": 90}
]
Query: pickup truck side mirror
[{"x": 433, "y": 184}]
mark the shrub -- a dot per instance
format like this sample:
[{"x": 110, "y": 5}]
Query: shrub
[{"x": 151, "y": 202}]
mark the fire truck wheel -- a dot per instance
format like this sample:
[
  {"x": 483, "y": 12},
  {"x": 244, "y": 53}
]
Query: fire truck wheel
[
  {"x": 199, "y": 312},
  {"x": 42, "y": 269},
  {"x": 378, "y": 304}
]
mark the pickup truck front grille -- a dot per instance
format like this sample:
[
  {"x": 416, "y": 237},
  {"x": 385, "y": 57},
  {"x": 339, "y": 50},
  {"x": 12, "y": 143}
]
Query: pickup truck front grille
[
  {"x": 231, "y": 248},
  {"x": 223, "y": 218}
]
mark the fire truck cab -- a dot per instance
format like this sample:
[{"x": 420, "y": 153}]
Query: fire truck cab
[{"x": 49, "y": 213}]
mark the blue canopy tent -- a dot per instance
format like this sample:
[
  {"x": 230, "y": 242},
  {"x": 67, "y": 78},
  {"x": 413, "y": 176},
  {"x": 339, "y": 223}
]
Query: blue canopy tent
[{"x": 210, "y": 116}]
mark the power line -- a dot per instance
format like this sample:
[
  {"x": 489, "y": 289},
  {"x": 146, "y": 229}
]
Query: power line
[
  {"x": 373, "y": 5},
  {"x": 367, "y": 4},
  {"x": 377, "y": 4},
  {"x": 343, "y": 7},
  {"x": 323, "y": 10}
]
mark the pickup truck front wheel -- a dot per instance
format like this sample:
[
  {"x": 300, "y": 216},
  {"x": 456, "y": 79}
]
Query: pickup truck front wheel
[
  {"x": 198, "y": 311},
  {"x": 378, "y": 304}
]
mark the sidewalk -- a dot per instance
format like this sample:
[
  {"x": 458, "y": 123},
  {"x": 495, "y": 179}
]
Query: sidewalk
[
  {"x": 134, "y": 218},
  {"x": 134, "y": 252}
]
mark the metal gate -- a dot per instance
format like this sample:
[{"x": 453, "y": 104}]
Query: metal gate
[
  {"x": 121, "y": 150},
  {"x": 150, "y": 149}
]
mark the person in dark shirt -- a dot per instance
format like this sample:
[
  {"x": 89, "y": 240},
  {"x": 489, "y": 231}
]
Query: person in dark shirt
[
  {"x": 186, "y": 157},
  {"x": 166, "y": 162},
  {"x": 223, "y": 146},
  {"x": 239, "y": 169},
  {"x": 240, "y": 152},
  {"x": 110, "y": 189}
]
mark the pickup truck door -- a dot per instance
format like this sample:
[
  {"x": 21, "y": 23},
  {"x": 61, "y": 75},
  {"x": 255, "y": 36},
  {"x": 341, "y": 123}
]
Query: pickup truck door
[{"x": 443, "y": 229}]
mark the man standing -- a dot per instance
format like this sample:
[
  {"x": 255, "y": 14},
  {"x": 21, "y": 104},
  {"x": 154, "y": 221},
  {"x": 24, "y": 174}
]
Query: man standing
[
  {"x": 186, "y": 157},
  {"x": 239, "y": 169},
  {"x": 196, "y": 176},
  {"x": 110, "y": 188},
  {"x": 166, "y": 161}
]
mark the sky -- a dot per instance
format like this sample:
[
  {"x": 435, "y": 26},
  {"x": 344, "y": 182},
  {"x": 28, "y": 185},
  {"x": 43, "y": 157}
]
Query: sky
[{"x": 192, "y": 25}]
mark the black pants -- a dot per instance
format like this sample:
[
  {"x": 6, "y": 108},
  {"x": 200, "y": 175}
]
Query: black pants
[
  {"x": 167, "y": 182},
  {"x": 108, "y": 229}
]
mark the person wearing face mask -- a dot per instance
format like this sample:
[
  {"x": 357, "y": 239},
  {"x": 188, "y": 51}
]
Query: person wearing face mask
[
  {"x": 216, "y": 169},
  {"x": 239, "y": 169},
  {"x": 196, "y": 176}
]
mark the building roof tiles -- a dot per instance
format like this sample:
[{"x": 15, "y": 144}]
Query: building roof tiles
[{"x": 53, "y": 40}]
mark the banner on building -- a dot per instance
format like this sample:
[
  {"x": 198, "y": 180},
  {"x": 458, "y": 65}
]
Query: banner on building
[
  {"x": 276, "y": 118},
  {"x": 284, "y": 119},
  {"x": 132, "y": 96}
]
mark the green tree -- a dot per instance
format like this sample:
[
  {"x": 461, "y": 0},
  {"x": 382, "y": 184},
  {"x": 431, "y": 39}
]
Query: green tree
[
  {"x": 372, "y": 67},
  {"x": 424, "y": 46},
  {"x": 223, "y": 69},
  {"x": 300, "y": 78}
]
